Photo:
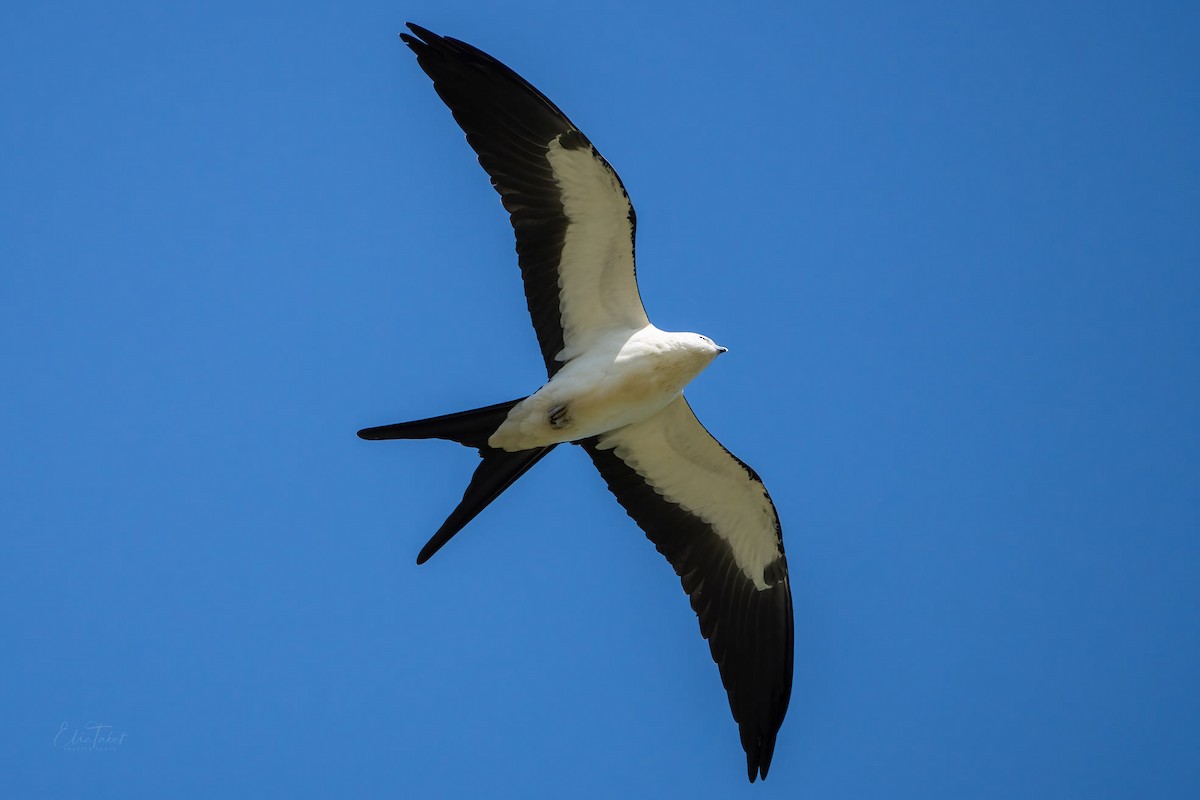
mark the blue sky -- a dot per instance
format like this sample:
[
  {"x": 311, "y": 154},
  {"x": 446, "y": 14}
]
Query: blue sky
[{"x": 953, "y": 249}]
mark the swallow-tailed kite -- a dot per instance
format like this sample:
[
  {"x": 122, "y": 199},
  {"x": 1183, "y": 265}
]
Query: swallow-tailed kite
[{"x": 615, "y": 386}]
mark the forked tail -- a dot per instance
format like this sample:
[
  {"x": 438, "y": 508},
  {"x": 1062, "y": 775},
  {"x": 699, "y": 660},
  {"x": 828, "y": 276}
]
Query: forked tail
[{"x": 498, "y": 470}]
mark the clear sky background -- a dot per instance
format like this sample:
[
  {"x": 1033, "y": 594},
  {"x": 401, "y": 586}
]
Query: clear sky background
[{"x": 954, "y": 251}]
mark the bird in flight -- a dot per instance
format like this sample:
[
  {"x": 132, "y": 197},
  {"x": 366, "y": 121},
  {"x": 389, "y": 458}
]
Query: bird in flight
[{"x": 614, "y": 386}]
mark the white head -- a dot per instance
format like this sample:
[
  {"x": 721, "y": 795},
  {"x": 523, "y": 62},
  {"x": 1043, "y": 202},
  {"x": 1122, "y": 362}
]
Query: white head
[{"x": 700, "y": 345}]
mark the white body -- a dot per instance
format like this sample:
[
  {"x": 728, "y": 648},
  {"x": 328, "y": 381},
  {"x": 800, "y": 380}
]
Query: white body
[
  {"x": 616, "y": 386},
  {"x": 626, "y": 376}
]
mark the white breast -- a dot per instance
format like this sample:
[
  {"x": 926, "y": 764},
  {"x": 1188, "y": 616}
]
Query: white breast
[{"x": 624, "y": 379}]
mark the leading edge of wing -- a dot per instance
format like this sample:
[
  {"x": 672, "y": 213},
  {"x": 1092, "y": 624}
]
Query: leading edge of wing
[
  {"x": 711, "y": 516},
  {"x": 574, "y": 224}
]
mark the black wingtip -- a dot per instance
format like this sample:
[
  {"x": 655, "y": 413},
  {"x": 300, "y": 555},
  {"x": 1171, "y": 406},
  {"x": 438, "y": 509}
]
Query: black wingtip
[
  {"x": 758, "y": 757},
  {"x": 424, "y": 33},
  {"x": 423, "y": 37}
]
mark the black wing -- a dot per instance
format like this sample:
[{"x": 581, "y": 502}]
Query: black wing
[
  {"x": 572, "y": 217},
  {"x": 712, "y": 518}
]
